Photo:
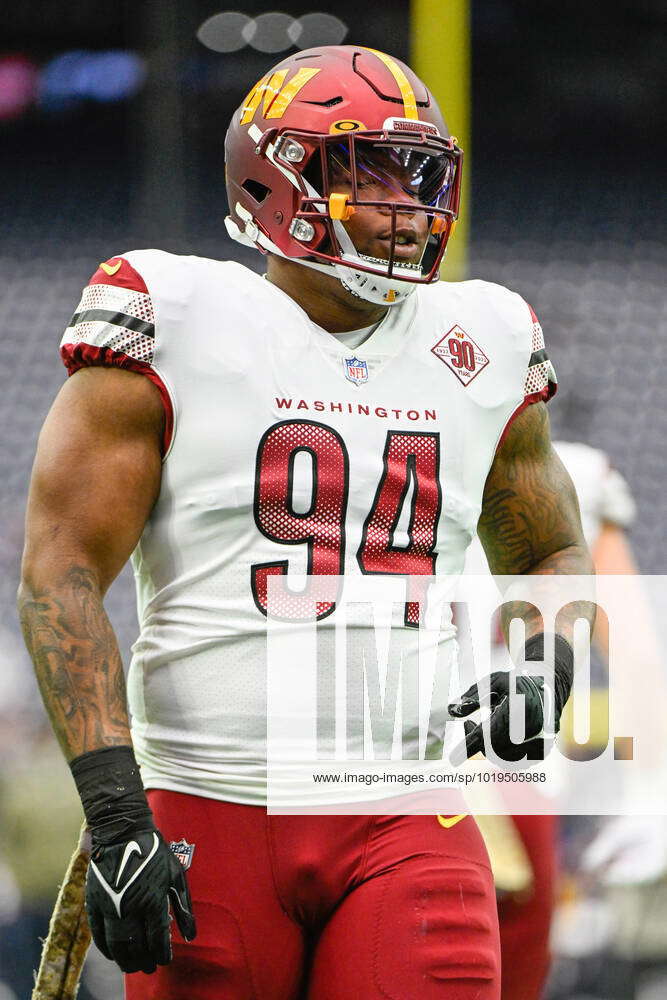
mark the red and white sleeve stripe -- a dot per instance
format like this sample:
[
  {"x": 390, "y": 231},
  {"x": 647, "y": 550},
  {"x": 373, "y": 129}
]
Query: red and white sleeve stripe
[
  {"x": 541, "y": 382},
  {"x": 114, "y": 326}
]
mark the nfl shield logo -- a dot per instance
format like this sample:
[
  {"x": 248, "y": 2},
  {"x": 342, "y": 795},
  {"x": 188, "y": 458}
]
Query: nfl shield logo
[
  {"x": 356, "y": 371},
  {"x": 183, "y": 851}
]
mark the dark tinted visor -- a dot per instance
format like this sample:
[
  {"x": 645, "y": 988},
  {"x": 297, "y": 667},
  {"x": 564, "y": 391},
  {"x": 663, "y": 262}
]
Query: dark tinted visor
[{"x": 387, "y": 172}]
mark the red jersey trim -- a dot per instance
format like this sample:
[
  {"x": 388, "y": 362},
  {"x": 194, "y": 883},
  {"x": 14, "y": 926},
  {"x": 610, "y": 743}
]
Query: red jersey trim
[
  {"x": 532, "y": 312},
  {"x": 118, "y": 271},
  {"x": 542, "y": 396},
  {"x": 76, "y": 356}
]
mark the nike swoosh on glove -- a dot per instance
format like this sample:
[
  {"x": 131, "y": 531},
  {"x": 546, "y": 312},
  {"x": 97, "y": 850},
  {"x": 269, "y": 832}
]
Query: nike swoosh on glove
[
  {"x": 533, "y": 745},
  {"x": 128, "y": 891}
]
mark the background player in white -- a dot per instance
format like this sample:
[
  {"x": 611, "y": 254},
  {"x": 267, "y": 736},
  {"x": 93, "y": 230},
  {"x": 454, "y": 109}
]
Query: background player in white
[{"x": 338, "y": 160}]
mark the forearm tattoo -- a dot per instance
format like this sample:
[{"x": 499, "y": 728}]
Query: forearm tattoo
[
  {"x": 77, "y": 662},
  {"x": 530, "y": 519}
]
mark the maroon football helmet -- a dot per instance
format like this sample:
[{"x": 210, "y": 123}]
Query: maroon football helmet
[{"x": 334, "y": 131}]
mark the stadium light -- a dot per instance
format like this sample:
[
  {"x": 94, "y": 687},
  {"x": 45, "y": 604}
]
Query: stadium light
[
  {"x": 274, "y": 31},
  {"x": 18, "y": 85},
  {"x": 79, "y": 75}
]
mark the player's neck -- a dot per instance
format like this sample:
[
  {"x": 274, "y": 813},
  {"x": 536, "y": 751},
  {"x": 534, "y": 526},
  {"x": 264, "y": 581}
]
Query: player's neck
[{"x": 322, "y": 297}]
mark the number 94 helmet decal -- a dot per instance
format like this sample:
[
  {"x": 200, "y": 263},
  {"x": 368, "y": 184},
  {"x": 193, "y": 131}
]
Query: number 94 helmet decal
[{"x": 339, "y": 159}]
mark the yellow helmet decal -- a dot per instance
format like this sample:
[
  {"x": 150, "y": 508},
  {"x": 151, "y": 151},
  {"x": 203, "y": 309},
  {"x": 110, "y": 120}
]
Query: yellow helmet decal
[
  {"x": 277, "y": 98},
  {"x": 407, "y": 93}
]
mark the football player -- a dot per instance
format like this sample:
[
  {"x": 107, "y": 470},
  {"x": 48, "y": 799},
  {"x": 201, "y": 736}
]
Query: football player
[{"x": 198, "y": 387}]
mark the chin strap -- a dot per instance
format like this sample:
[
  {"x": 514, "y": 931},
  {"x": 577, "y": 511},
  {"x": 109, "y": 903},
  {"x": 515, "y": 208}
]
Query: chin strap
[{"x": 362, "y": 284}]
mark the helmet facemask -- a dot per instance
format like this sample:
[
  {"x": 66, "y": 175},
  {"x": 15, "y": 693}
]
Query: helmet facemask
[
  {"x": 376, "y": 209},
  {"x": 403, "y": 184}
]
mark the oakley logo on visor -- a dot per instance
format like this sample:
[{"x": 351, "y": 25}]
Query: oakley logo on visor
[{"x": 346, "y": 125}]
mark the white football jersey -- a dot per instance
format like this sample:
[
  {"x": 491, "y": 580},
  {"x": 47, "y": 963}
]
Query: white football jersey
[{"x": 288, "y": 453}]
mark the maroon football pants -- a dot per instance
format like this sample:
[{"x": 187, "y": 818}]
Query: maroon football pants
[{"x": 328, "y": 908}]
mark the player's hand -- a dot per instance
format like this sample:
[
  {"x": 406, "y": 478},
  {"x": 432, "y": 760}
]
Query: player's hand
[
  {"x": 133, "y": 877},
  {"x": 129, "y": 889},
  {"x": 532, "y": 746}
]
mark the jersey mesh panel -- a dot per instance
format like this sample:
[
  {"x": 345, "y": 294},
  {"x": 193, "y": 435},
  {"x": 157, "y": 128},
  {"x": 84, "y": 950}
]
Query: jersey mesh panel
[
  {"x": 538, "y": 338},
  {"x": 137, "y": 304},
  {"x": 538, "y": 377}
]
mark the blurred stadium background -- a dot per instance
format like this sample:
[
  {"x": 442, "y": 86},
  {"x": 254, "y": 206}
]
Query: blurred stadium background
[{"x": 112, "y": 121}]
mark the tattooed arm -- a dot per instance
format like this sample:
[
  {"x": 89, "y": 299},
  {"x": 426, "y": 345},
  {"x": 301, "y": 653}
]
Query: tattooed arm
[
  {"x": 530, "y": 519},
  {"x": 95, "y": 480},
  {"x": 529, "y": 524}
]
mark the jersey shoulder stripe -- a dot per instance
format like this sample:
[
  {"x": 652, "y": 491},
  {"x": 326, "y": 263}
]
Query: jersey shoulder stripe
[
  {"x": 116, "y": 318},
  {"x": 115, "y": 312},
  {"x": 114, "y": 327},
  {"x": 541, "y": 382}
]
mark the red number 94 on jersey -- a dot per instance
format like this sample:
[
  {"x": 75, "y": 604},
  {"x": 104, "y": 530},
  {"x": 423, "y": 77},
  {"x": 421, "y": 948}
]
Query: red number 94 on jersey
[{"x": 410, "y": 458}]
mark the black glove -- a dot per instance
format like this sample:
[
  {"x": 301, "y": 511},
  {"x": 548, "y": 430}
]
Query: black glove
[
  {"x": 128, "y": 891},
  {"x": 532, "y": 688},
  {"x": 133, "y": 875}
]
